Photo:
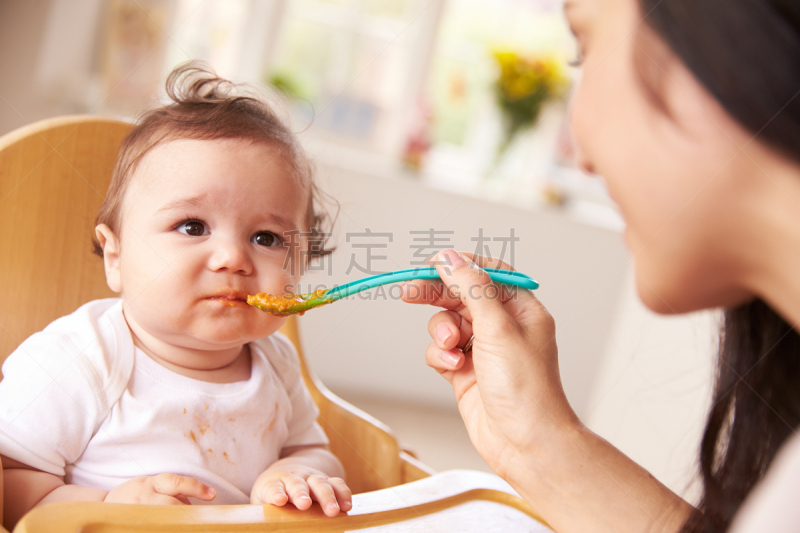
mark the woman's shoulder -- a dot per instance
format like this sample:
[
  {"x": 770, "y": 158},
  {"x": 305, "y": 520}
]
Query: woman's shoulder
[{"x": 774, "y": 504}]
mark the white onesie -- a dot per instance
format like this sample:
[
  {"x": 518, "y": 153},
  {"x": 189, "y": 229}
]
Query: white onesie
[{"x": 78, "y": 400}]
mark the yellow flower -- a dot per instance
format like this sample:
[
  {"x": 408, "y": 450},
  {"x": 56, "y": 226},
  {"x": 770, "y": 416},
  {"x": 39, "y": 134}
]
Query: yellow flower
[
  {"x": 523, "y": 76},
  {"x": 524, "y": 84}
]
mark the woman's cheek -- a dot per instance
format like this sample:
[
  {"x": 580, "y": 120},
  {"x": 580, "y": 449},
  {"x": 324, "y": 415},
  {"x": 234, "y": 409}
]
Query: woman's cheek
[
  {"x": 587, "y": 122},
  {"x": 582, "y": 159}
]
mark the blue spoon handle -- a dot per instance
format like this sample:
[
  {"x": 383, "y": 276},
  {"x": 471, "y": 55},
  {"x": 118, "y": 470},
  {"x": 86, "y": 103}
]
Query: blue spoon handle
[{"x": 507, "y": 277}]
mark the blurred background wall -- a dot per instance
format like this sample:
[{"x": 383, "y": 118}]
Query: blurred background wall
[{"x": 400, "y": 103}]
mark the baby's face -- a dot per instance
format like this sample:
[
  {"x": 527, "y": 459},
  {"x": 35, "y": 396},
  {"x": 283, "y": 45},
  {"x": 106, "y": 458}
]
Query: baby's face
[{"x": 203, "y": 225}]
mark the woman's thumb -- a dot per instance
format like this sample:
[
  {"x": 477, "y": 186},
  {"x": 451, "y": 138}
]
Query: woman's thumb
[{"x": 465, "y": 280}]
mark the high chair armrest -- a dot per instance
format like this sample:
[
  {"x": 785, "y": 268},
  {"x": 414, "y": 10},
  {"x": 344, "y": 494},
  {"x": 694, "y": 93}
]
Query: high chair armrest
[{"x": 457, "y": 500}]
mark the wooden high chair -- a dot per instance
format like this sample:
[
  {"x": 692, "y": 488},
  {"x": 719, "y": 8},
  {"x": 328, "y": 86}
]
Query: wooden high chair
[{"x": 53, "y": 178}]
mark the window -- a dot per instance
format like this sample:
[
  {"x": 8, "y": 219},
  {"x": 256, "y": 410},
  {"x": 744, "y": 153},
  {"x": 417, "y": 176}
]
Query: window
[
  {"x": 377, "y": 77},
  {"x": 466, "y": 130},
  {"x": 213, "y": 30},
  {"x": 359, "y": 63}
]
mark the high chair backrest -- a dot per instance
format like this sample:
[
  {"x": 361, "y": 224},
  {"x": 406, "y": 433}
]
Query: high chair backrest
[{"x": 53, "y": 178}]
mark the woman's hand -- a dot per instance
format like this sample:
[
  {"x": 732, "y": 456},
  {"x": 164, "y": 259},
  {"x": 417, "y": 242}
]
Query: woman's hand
[
  {"x": 163, "y": 489},
  {"x": 508, "y": 387},
  {"x": 509, "y": 394},
  {"x": 286, "y": 482}
]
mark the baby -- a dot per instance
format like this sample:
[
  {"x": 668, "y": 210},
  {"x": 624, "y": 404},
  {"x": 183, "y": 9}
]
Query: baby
[{"x": 178, "y": 392}]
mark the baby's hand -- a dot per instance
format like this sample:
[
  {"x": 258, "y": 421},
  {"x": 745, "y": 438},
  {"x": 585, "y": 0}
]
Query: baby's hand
[
  {"x": 300, "y": 484},
  {"x": 163, "y": 489}
]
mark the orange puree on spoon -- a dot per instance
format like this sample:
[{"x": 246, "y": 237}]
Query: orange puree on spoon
[{"x": 288, "y": 304}]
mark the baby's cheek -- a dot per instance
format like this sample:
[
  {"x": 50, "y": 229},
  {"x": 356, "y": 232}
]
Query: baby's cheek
[
  {"x": 295, "y": 261},
  {"x": 282, "y": 281},
  {"x": 136, "y": 279},
  {"x": 141, "y": 288}
]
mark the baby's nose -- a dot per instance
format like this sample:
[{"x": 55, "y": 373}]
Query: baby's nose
[{"x": 231, "y": 256}]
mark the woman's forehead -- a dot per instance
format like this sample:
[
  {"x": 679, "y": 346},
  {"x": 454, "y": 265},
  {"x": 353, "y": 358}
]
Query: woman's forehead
[{"x": 599, "y": 11}]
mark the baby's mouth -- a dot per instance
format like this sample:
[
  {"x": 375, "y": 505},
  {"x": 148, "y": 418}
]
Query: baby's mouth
[{"x": 232, "y": 298}]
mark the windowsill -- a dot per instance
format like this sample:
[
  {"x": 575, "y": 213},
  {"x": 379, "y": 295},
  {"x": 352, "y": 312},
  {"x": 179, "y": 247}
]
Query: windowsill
[{"x": 587, "y": 201}]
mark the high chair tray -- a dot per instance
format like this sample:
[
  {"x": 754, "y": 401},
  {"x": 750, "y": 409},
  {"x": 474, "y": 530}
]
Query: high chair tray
[{"x": 457, "y": 500}]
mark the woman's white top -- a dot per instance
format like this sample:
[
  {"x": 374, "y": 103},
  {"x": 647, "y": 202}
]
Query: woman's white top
[{"x": 774, "y": 504}]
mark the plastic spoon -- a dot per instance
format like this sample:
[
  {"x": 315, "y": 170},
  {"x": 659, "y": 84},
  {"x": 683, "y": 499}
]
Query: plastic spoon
[{"x": 289, "y": 304}]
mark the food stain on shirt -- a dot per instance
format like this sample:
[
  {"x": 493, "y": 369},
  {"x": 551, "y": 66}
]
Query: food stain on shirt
[
  {"x": 191, "y": 436},
  {"x": 184, "y": 410},
  {"x": 203, "y": 425},
  {"x": 274, "y": 418},
  {"x": 271, "y": 425},
  {"x": 227, "y": 457}
]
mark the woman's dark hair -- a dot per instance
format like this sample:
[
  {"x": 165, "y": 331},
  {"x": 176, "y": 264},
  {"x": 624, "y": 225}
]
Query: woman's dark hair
[{"x": 747, "y": 55}]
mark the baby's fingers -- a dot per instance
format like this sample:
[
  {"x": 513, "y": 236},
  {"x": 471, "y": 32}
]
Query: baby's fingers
[
  {"x": 297, "y": 489},
  {"x": 344, "y": 496},
  {"x": 274, "y": 493},
  {"x": 175, "y": 485},
  {"x": 324, "y": 494},
  {"x": 163, "y": 499}
]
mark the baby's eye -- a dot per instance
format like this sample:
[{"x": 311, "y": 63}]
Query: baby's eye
[
  {"x": 266, "y": 238},
  {"x": 193, "y": 228}
]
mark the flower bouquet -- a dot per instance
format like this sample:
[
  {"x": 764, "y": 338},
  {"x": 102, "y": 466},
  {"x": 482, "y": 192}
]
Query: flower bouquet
[{"x": 523, "y": 86}]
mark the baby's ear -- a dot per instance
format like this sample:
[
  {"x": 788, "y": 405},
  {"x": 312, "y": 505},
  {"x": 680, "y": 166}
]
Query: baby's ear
[{"x": 110, "y": 244}]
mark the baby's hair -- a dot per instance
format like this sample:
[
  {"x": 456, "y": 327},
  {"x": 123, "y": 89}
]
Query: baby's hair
[{"x": 207, "y": 107}]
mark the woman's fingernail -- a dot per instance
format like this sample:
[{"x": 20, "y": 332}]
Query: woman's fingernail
[
  {"x": 451, "y": 258},
  {"x": 443, "y": 333},
  {"x": 332, "y": 505},
  {"x": 450, "y": 359}
]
